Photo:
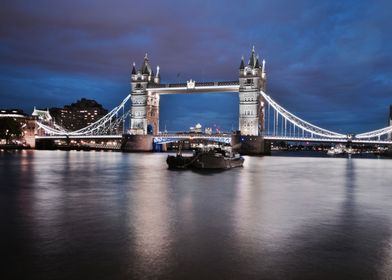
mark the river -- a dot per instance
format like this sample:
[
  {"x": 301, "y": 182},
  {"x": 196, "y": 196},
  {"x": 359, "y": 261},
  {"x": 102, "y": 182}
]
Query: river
[{"x": 111, "y": 215}]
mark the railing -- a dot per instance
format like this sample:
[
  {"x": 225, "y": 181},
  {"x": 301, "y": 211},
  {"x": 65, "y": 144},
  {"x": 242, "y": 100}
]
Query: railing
[
  {"x": 177, "y": 85},
  {"x": 205, "y": 84},
  {"x": 230, "y": 83}
]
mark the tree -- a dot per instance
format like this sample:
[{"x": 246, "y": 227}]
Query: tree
[{"x": 9, "y": 129}]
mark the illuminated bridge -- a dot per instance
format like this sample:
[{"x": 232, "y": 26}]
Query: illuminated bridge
[{"x": 261, "y": 119}]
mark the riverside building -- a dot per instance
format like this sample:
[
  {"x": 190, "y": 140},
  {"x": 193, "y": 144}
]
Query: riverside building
[{"x": 79, "y": 114}]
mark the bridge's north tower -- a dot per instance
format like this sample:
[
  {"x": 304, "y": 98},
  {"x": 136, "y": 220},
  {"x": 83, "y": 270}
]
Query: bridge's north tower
[
  {"x": 252, "y": 79},
  {"x": 145, "y": 105}
]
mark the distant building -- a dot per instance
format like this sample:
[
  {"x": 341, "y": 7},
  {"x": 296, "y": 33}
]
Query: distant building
[
  {"x": 208, "y": 130},
  {"x": 196, "y": 129},
  {"x": 27, "y": 125},
  {"x": 78, "y": 115},
  {"x": 12, "y": 113}
]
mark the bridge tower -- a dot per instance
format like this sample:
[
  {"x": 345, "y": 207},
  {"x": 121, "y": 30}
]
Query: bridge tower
[
  {"x": 145, "y": 106},
  {"x": 390, "y": 115},
  {"x": 252, "y": 79}
]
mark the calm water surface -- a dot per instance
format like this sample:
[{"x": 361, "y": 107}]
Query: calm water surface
[{"x": 102, "y": 215}]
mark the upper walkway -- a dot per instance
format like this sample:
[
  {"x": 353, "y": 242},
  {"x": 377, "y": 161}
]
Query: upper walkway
[{"x": 192, "y": 87}]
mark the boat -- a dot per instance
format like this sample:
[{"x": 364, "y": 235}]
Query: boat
[{"x": 206, "y": 158}]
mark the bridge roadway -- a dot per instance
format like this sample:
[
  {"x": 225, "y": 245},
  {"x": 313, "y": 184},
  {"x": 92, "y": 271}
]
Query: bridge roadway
[
  {"x": 327, "y": 140},
  {"x": 58, "y": 137},
  {"x": 221, "y": 138},
  {"x": 168, "y": 138},
  {"x": 226, "y": 138}
]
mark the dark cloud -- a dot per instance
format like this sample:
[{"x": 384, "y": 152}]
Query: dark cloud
[{"x": 328, "y": 61}]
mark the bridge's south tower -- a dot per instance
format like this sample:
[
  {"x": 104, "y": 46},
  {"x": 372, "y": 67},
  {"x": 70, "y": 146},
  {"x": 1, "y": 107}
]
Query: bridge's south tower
[
  {"x": 252, "y": 80},
  {"x": 390, "y": 115},
  {"x": 145, "y": 106}
]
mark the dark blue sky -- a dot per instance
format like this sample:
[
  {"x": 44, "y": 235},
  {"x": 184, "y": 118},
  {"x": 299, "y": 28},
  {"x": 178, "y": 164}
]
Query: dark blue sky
[{"x": 329, "y": 62}]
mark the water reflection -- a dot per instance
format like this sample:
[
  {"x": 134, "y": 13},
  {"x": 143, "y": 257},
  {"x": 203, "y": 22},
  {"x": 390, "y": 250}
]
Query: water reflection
[
  {"x": 114, "y": 215},
  {"x": 350, "y": 246},
  {"x": 152, "y": 218},
  {"x": 276, "y": 203}
]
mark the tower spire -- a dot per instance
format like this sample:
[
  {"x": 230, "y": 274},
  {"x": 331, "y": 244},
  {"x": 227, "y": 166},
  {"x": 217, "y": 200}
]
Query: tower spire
[
  {"x": 133, "y": 68},
  {"x": 146, "y": 68},
  {"x": 263, "y": 74},
  {"x": 257, "y": 65},
  {"x": 158, "y": 75},
  {"x": 242, "y": 66},
  {"x": 157, "y": 78},
  {"x": 252, "y": 60}
]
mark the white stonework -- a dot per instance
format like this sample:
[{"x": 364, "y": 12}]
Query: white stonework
[
  {"x": 190, "y": 84},
  {"x": 252, "y": 80},
  {"x": 138, "y": 100},
  {"x": 145, "y": 106}
]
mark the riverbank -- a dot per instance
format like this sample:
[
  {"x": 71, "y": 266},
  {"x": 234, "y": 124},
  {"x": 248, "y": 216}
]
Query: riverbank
[{"x": 14, "y": 147}]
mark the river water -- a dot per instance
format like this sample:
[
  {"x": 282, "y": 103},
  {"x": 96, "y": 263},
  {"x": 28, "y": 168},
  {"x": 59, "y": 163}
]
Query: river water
[{"x": 108, "y": 215}]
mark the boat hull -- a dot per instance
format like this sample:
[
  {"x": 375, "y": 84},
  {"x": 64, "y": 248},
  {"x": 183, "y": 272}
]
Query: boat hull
[
  {"x": 207, "y": 161},
  {"x": 203, "y": 161},
  {"x": 179, "y": 162}
]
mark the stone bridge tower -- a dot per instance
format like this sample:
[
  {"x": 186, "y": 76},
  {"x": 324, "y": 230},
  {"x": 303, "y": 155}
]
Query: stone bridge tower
[
  {"x": 252, "y": 79},
  {"x": 390, "y": 115},
  {"x": 145, "y": 106}
]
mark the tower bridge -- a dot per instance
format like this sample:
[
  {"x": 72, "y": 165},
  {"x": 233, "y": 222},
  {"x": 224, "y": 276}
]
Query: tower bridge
[
  {"x": 260, "y": 121},
  {"x": 146, "y": 90}
]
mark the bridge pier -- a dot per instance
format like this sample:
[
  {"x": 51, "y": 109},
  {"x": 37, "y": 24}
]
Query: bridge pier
[
  {"x": 250, "y": 145},
  {"x": 44, "y": 144},
  {"x": 137, "y": 143}
]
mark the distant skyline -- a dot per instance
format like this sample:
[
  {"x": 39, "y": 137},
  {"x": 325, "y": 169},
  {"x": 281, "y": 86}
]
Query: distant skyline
[{"x": 329, "y": 62}]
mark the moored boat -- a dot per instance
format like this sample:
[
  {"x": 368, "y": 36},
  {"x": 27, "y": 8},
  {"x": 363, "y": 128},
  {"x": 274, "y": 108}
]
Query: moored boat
[{"x": 206, "y": 159}]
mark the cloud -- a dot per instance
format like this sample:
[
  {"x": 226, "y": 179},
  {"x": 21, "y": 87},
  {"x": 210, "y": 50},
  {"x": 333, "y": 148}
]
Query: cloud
[{"x": 327, "y": 61}]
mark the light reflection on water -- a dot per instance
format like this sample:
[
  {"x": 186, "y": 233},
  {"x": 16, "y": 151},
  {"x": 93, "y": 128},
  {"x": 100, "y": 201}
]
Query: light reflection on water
[{"x": 115, "y": 216}]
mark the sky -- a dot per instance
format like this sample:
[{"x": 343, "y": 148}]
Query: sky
[{"x": 328, "y": 62}]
